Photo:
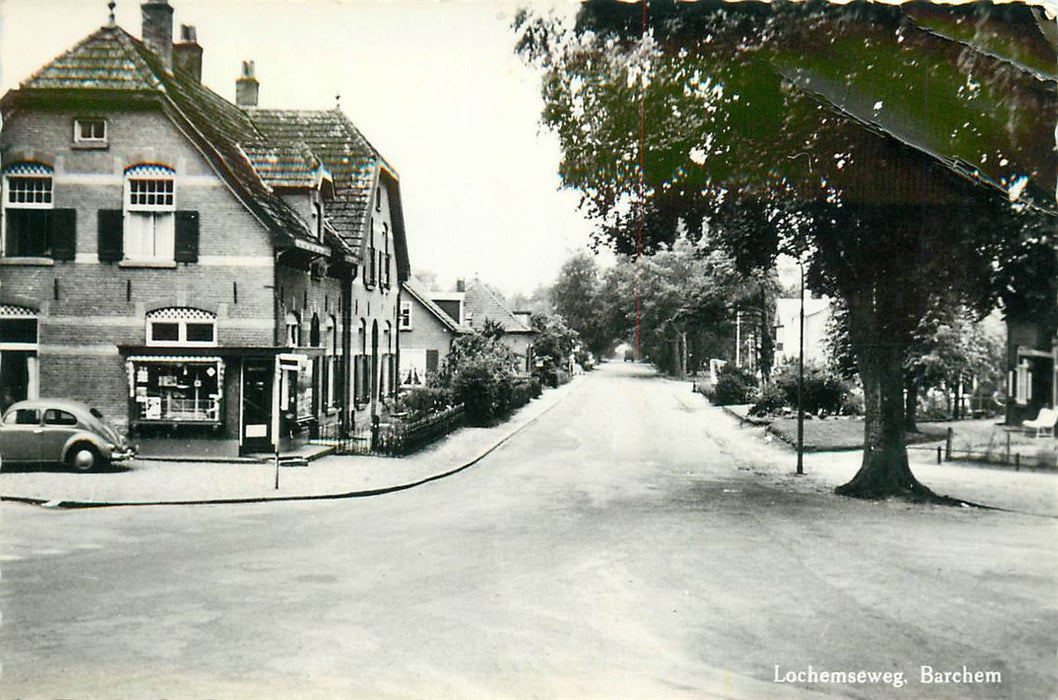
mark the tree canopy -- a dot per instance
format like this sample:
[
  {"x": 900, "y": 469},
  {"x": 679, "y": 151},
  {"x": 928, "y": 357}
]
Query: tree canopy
[{"x": 897, "y": 150}]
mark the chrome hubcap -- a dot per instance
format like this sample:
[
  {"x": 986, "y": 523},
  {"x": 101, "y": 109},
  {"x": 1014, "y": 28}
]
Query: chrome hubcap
[{"x": 84, "y": 459}]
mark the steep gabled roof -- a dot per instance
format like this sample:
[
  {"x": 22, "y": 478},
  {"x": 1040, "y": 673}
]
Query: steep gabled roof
[
  {"x": 482, "y": 303},
  {"x": 253, "y": 150},
  {"x": 285, "y": 165},
  {"x": 422, "y": 295},
  {"x": 348, "y": 156},
  {"x": 105, "y": 60}
]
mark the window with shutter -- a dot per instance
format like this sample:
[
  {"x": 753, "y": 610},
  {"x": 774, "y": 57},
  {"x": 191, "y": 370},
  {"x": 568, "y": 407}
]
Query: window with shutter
[
  {"x": 150, "y": 221},
  {"x": 28, "y": 210}
]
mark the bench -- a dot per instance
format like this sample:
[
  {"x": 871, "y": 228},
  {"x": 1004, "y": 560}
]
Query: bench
[{"x": 1044, "y": 423}]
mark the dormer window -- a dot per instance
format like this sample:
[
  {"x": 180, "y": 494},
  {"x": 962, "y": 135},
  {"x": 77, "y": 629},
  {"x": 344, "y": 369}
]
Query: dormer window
[{"x": 90, "y": 132}]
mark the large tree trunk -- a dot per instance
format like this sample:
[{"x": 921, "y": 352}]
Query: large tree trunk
[{"x": 885, "y": 470}]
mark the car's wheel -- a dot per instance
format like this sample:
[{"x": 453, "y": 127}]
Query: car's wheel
[{"x": 85, "y": 458}]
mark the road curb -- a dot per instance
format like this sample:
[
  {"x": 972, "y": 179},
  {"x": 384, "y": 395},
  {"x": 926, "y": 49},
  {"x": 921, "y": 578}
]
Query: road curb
[{"x": 83, "y": 505}]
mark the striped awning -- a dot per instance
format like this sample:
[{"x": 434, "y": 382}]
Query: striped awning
[{"x": 181, "y": 359}]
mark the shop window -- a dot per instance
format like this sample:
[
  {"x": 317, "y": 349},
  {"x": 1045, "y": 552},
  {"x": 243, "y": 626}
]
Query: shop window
[
  {"x": 181, "y": 326},
  {"x": 150, "y": 208},
  {"x": 176, "y": 390}
]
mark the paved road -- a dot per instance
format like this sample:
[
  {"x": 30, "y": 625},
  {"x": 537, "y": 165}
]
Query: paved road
[{"x": 631, "y": 543}]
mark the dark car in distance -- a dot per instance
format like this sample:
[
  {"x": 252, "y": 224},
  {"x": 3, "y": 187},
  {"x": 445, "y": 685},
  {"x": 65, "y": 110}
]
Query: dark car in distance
[{"x": 40, "y": 431}]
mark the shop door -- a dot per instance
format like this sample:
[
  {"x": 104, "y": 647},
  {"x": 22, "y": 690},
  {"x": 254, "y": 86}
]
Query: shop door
[{"x": 257, "y": 376}]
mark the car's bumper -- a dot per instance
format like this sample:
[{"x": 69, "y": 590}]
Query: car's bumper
[{"x": 120, "y": 454}]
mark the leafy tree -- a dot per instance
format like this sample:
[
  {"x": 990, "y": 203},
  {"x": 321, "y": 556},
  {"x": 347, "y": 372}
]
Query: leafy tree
[
  {"x": 553, "y": 346},
  {"x": 477, "y": 373},
  {"x": 574, "y": 297},
  {"x": 882, "y": 145},
  {"x": 536, "y": 302}
]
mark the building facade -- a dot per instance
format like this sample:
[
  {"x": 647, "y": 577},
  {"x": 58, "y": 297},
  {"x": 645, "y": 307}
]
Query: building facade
[
  {"x": 195, "y": 268},
  {"x": 426, "y": 333}
]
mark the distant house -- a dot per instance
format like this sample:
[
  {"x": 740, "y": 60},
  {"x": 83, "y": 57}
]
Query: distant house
[
  {"x": 194, "y": 267},
  {"x": 426, "y": 332},
  {"x": 476, "y": 304},
  {"x": 787, "y": 329},
  {"x": 1032, "y": 367},
  {"x": 482, "y": 304}
]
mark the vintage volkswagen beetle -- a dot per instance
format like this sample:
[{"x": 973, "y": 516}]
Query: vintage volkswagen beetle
[{"x": 59, "y": 430}]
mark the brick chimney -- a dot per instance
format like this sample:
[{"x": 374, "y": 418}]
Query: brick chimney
[
  {"x": 461, "y": 285},
  {"x": 158, "y": 29},
  {"x": 246, "y": 87},
  {"x": 187, "y": 55}
]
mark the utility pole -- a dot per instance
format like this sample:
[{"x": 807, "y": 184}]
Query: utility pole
[{"x": 801, "y": 381}]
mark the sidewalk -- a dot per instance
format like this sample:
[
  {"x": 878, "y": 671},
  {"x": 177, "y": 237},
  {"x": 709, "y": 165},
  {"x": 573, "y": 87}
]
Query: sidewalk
[
  {"x": 156, "y": 482},
  {"x": 1033, "y": 492}
]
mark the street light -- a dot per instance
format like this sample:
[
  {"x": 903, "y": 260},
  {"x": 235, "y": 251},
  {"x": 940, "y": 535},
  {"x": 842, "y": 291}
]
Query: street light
[{"x": 801, "y": 379}]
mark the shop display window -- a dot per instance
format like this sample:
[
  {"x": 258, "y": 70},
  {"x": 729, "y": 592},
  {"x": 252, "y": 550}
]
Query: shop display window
[{"x": 177, "y": 391}]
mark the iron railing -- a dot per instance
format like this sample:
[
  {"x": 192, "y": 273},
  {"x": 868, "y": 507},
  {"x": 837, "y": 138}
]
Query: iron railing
[{"x": 393, "y": 439}]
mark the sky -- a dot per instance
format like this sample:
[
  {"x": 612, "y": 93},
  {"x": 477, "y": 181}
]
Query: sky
[{"x": 433, "y": 85}]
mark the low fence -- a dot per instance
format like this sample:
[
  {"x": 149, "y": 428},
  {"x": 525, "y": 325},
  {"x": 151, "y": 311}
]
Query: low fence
[
  {"x": 393, "y": 439},
  {"x": 1005, "y": 449}
]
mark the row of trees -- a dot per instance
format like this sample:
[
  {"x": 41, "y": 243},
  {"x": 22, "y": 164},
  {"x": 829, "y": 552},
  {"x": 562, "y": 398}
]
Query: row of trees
[{"x": 680, "y": 305}]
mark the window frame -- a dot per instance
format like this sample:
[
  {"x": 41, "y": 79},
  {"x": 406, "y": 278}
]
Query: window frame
[
  {"x": 404, "y": 320},
  {"x": 80, "y": 140},
  {"x": 26, "y": 171},
  {"x": 162, "y": 216},
  {"x": 182, "y": 328}
]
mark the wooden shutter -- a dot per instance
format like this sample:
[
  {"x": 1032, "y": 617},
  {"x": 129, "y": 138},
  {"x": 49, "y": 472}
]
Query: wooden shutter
[
  {"x": 186, "y": 237},
  {"x": 111, "y": 234},
  {"x": 63, "y": 234},
  {"x": 431, "y": 361}
]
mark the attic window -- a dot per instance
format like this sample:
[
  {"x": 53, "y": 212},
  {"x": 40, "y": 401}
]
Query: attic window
[{"x": 90, "y": 131}]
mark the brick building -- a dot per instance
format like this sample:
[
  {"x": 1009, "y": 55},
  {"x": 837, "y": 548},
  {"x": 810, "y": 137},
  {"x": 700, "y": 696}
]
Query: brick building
[
  {"x": 426, "y": 332},
  {"x": 197, "y": 269}
]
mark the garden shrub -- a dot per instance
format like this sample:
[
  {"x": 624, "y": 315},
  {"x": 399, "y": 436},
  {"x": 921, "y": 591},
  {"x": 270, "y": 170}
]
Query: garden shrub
[
  {"x": 421, "y": 401},
  {"x": 825, "y": 392},
  {"x": 477, "y": 373},
  {"x": 771, "y": 400},
  {"x": 734, "y": 385}
]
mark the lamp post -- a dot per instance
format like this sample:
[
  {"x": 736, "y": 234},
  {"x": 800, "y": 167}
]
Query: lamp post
[{"x": 801, "y": 379}]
